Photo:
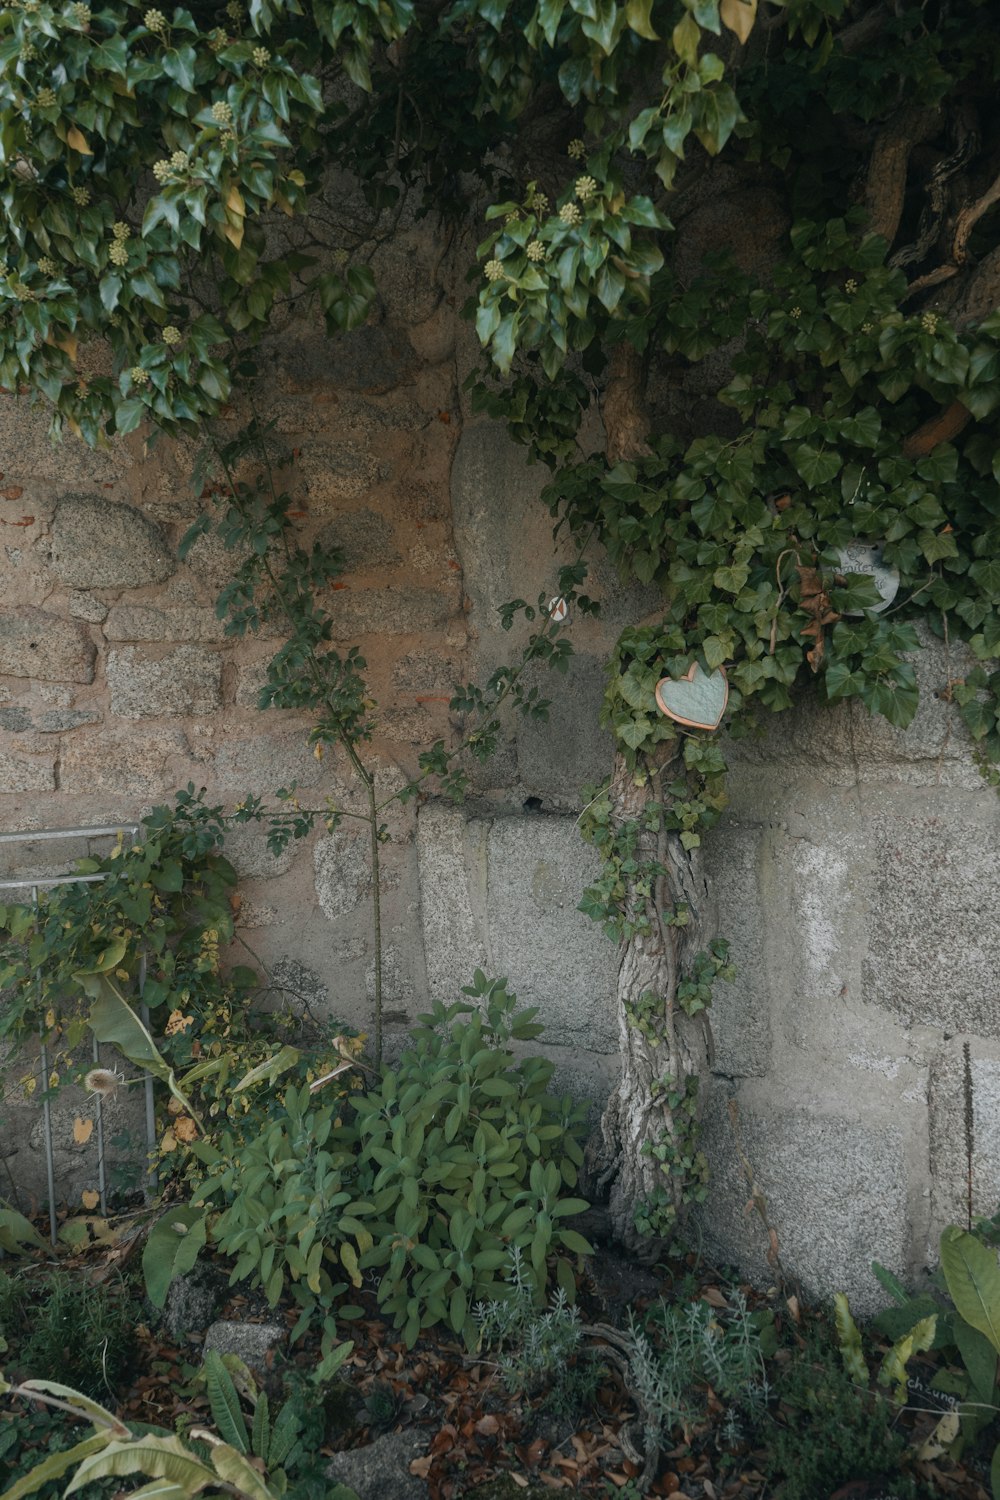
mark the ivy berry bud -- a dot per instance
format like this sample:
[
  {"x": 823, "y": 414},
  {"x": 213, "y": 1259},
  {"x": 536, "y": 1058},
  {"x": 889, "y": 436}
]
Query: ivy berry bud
[
  {"x": 81, "y": 196},
  {"x": 535, "y": 251},
  {"x": 138, "y": 375},
  {"x": 576, "y": 150},
  {"x": 261, "y": 57},
  {"x": 47, "y": 266},
  {"x": 45, "y": 98},
  {"x": 222, "y": 113}
]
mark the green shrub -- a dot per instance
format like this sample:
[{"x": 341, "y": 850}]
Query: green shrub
[
  {"x": 459, "y": 1153},
  {"x": 831, "y": 1430},
  {"x": 58, "y": 1326}
]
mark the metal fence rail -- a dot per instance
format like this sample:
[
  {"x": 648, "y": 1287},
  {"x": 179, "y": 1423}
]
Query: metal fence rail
[{"x": 36, "y": 883}]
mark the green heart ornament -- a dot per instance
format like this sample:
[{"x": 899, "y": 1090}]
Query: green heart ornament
[{"x": 697, "y": 700}]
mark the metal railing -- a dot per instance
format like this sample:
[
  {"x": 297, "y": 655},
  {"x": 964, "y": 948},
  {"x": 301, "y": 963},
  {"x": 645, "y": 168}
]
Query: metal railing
[{"x": 36, "y": 883}]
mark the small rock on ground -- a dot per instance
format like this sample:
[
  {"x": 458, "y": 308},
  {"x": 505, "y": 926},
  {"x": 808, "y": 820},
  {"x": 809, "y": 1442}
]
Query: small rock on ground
[
  {"x": 381, "y": 1470},
  {"x": 253, "y": 1342}
]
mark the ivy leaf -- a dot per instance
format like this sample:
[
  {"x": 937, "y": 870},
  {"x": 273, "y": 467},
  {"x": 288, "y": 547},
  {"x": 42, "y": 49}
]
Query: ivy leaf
[{"x": 815, "y": 466}]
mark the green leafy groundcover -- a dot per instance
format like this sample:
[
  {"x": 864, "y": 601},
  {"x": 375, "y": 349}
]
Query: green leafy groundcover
[{"x": 423, "y": 1182}]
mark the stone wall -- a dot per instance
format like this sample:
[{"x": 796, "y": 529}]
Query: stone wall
[{"x": 856, "y": 873}]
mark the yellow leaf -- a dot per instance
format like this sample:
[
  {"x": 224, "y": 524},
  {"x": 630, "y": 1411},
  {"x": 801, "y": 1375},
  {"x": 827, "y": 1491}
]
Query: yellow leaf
[
  {"x": 234, "y": 233},
  {"x": 89, "y": 1198},
  {"x": 941, "y": 1438},
  {"x": 185, "y": 1129},
  {"x": 168, "y": 1141},
  {"x": 739, "y": 16},
  {"x": 234, "y": 202},
  {"x": 78, "y": 141},
  {"x": 82, "y": 1130}
]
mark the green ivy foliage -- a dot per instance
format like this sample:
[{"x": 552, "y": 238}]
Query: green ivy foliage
[{"x": 744, "y": 533}]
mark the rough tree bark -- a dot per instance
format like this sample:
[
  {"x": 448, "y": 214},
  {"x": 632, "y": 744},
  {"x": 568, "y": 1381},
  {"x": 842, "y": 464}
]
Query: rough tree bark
[{"x": 650, "y": 965}]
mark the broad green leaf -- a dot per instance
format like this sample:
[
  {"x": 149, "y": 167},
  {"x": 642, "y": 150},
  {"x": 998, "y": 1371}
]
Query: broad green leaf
[
  {"x": 171, "y": 1249},
  {"x": 972, "y": 1276},
  {"x": 54, "y": 1467},
  {"x": 157, "y": 1457},
  {"x": 849, "y": 1340}
]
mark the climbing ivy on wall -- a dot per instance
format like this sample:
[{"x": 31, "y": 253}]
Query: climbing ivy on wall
[{"x": 165, "y": 184}]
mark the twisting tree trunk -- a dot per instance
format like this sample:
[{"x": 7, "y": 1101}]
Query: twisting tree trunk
[{"x": 661, "y": 1046}]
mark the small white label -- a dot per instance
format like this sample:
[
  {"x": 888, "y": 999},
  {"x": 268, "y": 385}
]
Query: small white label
[{"x": 862, "y": 557}]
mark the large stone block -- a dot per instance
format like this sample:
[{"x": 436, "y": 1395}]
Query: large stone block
[
  {"x": 259, "y": 765},
  {"x": 553, "y": 956},
  {"x": 836, "y": 1192},
  {"x": 343, "y": 873},
  {"x": 26, "y": 773},
  {"x": 560, "y": 755},
  {"x": 451, "y": 849},
  {"x": 141, "y": 622},
  {"x": 389, "y": 611},
  {"x": 959, "y": 1102},
  {"x": 97, "y": 543},
  {"x": 740, "y": 1016},
  {"x": 45, "y": 647},
  {"x": 363, "y": 537},
  {"x": 185, "y": 681},
  {"x": 135, "y": 762},
  {"x": 933, "y": 949}
]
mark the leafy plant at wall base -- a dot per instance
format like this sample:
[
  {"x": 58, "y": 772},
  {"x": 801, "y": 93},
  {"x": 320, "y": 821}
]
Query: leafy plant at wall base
[
  {"x": 970, "y": 1326},
  {"x": 828, "y": 1429},
  {"x": 428, "y": 1179}
]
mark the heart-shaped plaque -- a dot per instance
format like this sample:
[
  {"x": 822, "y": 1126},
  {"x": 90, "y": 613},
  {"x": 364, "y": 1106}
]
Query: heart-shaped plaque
[{"x": 697, "y": 700}]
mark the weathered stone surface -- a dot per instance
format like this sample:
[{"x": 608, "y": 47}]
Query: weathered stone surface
[
  {"x": 334, "y": 472},
  {"x": 301, "y": 986},
  {"x": 836, "y": 1194},
  {"x": 97, "y": 543},
  {"x": 343, "y": 873},
  {"x": 381, "y": 1471},
  {"x": 405, "y": 272},
  {"x": 126, "y": 762},
  {"x": 141, "y": 622},
  {"x": 59, "y": 720},
  {"x": 389, "y": 611},
  {"x": 371, "y": 359},
  {"x": 933, "y": 939},
  {"x": 27, "y": 773},
  {"x": 949, "y": 1157},
  {"x": 252, "y": 1342},
  {"x": 15, "y": 720},
  {"x": 558, "y": 756},
  {"x": 194, "y": 1299},
  {"x": 427, "y": 672},
  {"x": 247, "y": 852},
  {"x": 40, "y": 645},
  {"x": 84, "y": 606},
  {"x": 553, "y": 956},
  {"x": 261, "y": 765},
  {"x": 452, "y": 858},
  {"x": 185, "y": 681},
  {"x": 740, "y": 1019},
  {"x": 363, "y": 537}
]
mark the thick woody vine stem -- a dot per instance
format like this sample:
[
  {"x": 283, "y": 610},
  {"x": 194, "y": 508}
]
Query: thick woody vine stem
[
  {"x": 626, "y": 421},
  {"x": 886, "y": 185}
]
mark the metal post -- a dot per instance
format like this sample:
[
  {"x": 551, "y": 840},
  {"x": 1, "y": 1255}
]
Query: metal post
[
  {"x": 50, "y": 1168},
  {"x": 151, "y": 1172}
]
